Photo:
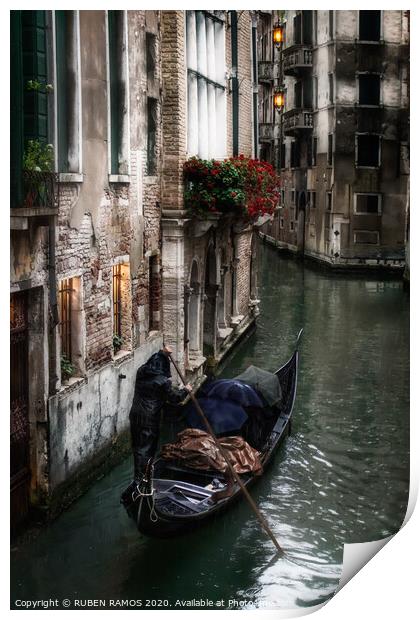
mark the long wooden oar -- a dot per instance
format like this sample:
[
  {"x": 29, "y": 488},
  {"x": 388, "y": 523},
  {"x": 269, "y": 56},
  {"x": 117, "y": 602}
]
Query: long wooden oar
[{"x": 245, "y": 491}]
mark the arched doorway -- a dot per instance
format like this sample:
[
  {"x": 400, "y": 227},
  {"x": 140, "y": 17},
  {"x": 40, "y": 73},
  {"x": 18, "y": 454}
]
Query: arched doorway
[{"x": 210, "y": 303}]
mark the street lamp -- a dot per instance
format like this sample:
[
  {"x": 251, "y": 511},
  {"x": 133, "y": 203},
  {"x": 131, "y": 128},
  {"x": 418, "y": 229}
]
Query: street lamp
[
  {"x": 278, "y": 34},
  {"x": 278, "y": 99}
]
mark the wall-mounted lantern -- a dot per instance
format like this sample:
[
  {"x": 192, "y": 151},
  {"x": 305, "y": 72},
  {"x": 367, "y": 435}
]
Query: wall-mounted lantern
[
  {"x": 279, "y": 99},
  {"x": 278, "y": 34}
]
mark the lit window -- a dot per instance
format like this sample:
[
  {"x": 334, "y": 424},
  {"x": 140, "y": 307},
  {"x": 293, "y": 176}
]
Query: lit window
[
  {"x": 121, "y": 307},
  {"x": 65, "y": 296},
  {"x": 70, "y": 328}
]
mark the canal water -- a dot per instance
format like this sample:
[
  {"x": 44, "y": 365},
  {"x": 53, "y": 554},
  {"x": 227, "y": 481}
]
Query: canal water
[{"x": 341, "y": 477}]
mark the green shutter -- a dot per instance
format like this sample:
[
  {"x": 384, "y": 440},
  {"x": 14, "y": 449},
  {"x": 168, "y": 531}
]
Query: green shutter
[
  {"x": 16, "y": 107},
  {"x": 35, "y": 103},
  {"x": 61, "y": 89}
]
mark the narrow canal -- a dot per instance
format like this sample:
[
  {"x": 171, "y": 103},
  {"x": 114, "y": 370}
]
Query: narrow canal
[{"x": 342, "y": 476}]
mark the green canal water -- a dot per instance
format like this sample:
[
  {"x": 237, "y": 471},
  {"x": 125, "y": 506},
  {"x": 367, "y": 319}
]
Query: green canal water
[{"x": 341, "y": 477}]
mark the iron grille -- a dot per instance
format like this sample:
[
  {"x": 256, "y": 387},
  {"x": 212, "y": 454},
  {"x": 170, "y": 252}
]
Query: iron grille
[
  {"x": 40, "y": 190},
  {"x": 65, "y": 295}
]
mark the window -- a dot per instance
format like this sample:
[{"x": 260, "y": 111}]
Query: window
[
  {"x": 154, "y": 293},
  {"x": 292, "y": 225},
  {"x": 368, "y": 204},
  {"x": 282, "y": 196},
  {"x": 331, "y": 88},
  {"x": 118, "y": 93},
  {"x": 281, "y": 222},
  {"x": 295, "y": 155},
  {"x": 292, "y": 197},
  {"x": 315, "y": 28},
  {"x": 65, "y": 294},
  {"x": 206, "y": 88},
  {"x": 369, "y": 25},
  {"x": 367, "y": 150},
  {"x": 309, "y": 145},
  {"x": 369, "y": 89},
  {"x": 312, "y": 199},
  {"x": 328, "y": 201},
  {"x": 297, "y": 29},
  {"x": 315, "y": 92},
  {"x": 150, "y": 56},
  {"x": 330, "y": 149},
  {"x": 68, "y": 91},
  {"x": 121, "y": 306},
  {"x": 331, "y": 24},
  {"x": 71, "y": 333},
  {"x": 314, "y": 149},
  {"x": 151, "y": 135},
  {"x": 283, "y": 155},
  {"x": 366, "y": 237}
]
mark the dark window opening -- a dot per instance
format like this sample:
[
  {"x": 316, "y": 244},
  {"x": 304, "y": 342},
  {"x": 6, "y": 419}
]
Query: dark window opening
[
  {"x": 307, "y": 27},
  {"x": 367, "y": 150},
  {"x": 65, "y": 296},
  {"x": 116, "y": 86},
  {"x": 314, "y": 150},
  {"x": 369, "y": 89},
  {"x": 331, "y": 88},
  {"x": 151, "y": 135},
  {"x": 331, "y": 24},
  {"x": 369, "y": 25},
  {"x": 298, "y": 94},
  {"x": 329, "y": 201},
  {"x": 295, "y": 155},
  {"x": 309, "y": 157},
  {"x": 283, "y": 155},
  {"x": 116, "y": 297},
  {"x": 297, "y": 28},
  {"x": 368, "y": 203},
  {"x": 150, "y": 56},
  {"x": 330, "y": 150}
]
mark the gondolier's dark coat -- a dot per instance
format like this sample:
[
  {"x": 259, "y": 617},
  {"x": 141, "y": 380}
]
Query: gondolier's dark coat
[{"x": 152, "y": 389}]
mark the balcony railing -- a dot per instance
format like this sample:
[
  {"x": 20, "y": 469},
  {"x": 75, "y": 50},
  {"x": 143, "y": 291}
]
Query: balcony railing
[
  {"x": 297, "y": 120},
  {"x": 267, "y": 71},
  {"x": 266, "y": 132},
  {"x": 36, "y": 191},
  {"x": 297, "y": 59}
]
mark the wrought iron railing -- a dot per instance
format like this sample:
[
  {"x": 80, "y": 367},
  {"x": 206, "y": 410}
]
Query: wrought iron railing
[
  {"x": 296, "y": 58},
  {"x": 38, "y": 190}
]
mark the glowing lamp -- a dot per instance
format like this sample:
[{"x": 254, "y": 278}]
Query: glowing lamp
[
  {"x": 279, "y": 100},
  {"x": 278, "y": 35}
]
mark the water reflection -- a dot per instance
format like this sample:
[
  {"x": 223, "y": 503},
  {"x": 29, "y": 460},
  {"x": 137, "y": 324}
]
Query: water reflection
[{"x": 342, "y": 476}]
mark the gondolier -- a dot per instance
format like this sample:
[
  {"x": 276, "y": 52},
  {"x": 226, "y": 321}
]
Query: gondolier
[{"x": 152, "y": 389}]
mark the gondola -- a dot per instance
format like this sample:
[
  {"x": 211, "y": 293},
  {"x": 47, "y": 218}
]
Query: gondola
[{"x": 173, "y": 498}]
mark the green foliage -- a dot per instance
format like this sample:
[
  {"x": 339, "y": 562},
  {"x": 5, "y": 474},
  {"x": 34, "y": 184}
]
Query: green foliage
[
  {"x": 38, "y": 156},
  {"x": 40, "y": 87},
  {"x": 117, "y": 342},
  {"x": 67, "y": 368}
]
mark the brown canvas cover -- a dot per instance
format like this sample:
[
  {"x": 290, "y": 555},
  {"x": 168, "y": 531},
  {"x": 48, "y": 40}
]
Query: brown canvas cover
[{"x": 198, "y": 450}]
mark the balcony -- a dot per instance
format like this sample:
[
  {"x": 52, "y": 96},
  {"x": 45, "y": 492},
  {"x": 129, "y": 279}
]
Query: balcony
[
  {"x": 267, "y": 71},
  {"x": 297, "y": 59},
  {"x": 296, "y": 121},
  {"x": 34, "y": 195},
  {"x": 266, "y": 132}
]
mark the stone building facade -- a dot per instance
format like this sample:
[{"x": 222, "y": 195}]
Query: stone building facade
[
  {"x": 86, "y": 307},
  {"x": 344, "y": 137},
  {"x": 208, "y": 266}
]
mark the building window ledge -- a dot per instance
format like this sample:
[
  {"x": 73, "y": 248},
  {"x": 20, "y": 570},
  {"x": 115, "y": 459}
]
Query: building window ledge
[
  {"x": 150, "y": 179},
  {"x": 71, "y": 383},
  {"x": 119, "y": 178},
  {"x": 70, "y": 177},
  {"x": 121, "y": 356},
  {"x": 237, "y": 320}
]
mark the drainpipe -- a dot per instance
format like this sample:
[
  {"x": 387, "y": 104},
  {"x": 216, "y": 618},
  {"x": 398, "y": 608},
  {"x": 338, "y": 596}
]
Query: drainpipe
[
  {"x": 52, "y": 281},
  {"x": 235, "y": 82},
  {"x": 254, "y": 19}
]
